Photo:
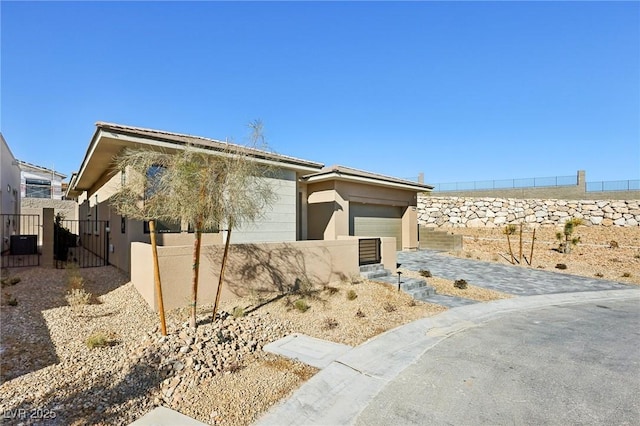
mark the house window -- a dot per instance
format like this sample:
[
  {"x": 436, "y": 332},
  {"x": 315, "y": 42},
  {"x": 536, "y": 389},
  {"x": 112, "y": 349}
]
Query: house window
[
  {"x": 38, "y": 188},
  {"x": 164, "y": 227}
]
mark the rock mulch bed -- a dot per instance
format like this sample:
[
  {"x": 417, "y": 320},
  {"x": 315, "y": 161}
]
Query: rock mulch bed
[{"x": 217, "y": 373}]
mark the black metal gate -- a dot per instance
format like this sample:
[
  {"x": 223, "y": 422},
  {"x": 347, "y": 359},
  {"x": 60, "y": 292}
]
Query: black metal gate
[
  {"x": 369, "y": 251},
  {"x": 83, "y": 243},
  {"x": 20, "y": 237}
]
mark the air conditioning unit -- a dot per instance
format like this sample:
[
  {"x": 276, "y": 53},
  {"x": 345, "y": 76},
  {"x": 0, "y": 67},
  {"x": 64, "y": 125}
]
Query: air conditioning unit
[{"x": 24, "y": 244}]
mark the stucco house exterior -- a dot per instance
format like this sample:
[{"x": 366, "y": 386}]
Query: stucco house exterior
[
  {"x": 313, "y": 203},
  {"x": 9, "y": 180}
]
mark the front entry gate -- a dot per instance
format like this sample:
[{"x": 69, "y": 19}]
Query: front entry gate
[{"x": 82, "y": 243}]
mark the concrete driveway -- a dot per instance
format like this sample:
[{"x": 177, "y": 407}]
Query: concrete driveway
[
  {"x": 569, "y": 358},
  {"x": 570, "y": 364}
]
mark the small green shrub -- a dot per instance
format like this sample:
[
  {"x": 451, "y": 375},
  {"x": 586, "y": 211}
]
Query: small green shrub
[
  {"x": 100, "y": 340},
  {"x": 10, "y": 300},
  {"x": 301, "y": 305},
  {"x": 78, "y": 297},
  {"x": 237, "y": 312},
  {"x": 389, "y": 307},
  {"x": 329, "y": 323},
  {"x": 351, "y": 295},
  {"x": 8, "y": 281},
  {"x": 425, "y": 273},
  {"x": 461, "y": 284}
]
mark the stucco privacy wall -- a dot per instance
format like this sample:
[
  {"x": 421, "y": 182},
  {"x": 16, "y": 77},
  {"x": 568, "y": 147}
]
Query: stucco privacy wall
[
  {"x": 251, "y": 268},
  {"x": 493, "y": 212}
]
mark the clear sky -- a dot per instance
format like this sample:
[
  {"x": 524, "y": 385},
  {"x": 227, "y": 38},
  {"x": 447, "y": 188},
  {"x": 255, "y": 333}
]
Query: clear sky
[{"x": 458, "y": 90}]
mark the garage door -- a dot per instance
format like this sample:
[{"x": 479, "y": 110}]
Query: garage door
[{"x": 368, "y": 220}]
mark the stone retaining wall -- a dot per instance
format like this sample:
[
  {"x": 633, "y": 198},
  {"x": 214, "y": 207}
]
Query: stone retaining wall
[{"x": 495, "y": 212}]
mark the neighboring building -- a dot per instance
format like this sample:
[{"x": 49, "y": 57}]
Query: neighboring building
[
  {"x": 9, "y": 180},
  {"x": 312, "y": 202},
  {"x": 40, "y": 182}
]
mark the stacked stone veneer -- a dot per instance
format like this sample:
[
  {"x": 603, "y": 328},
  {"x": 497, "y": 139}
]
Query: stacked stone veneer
[{"x": 494, "y": 212}]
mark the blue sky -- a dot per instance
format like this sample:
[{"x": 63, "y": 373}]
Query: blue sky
[{"x": 460, "y": 91}]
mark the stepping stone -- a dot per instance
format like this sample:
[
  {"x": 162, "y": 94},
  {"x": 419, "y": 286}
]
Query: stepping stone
[{"x": 315, "y": 352}]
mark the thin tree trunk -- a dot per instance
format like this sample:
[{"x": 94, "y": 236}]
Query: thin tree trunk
[
  {"x": 156, "y": 276},
  {"x": 222, "y": 268},
  {"x": 520, "y": 253},
  {"x": 533, "y": 241},
  {"x": 510, "y": 251},
  {"x": 196, "y": 273}
]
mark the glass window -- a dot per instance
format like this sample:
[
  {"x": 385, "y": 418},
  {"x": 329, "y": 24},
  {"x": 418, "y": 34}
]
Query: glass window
[{"x": 38, "y": 188}]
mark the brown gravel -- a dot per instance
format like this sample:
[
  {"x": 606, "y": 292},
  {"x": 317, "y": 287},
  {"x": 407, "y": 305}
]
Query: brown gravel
[
  {"x": 595, "y": 255},
  {"x": 46, "y": 364}
]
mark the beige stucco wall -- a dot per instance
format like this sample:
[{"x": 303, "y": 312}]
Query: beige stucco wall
[
  {"x": 252, "y": 268},
  {"x": 9, "y": 180},
  {"x": 328, "y": 206}
]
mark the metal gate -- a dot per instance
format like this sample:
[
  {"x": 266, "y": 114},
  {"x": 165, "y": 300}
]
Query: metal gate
[
  {"x": 20, "y": 237},
  {"x": 83, "y": 243},
  {"x": 369, "y": 251}
]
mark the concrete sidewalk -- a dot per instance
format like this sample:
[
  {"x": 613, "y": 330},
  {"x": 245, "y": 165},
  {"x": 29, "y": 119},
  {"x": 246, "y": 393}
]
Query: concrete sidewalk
[{"x": 341, "y": 391}]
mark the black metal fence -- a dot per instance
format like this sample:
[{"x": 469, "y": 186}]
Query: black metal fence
[
  {"x": 20, "y": 236},
  {"x": 82, "y": 243}
]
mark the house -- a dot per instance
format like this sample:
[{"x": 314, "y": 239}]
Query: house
[
  {"x": 9, "y": 180},
  {"x": 313, "y": 202}
]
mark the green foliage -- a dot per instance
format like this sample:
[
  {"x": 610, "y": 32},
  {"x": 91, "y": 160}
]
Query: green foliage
[
  {"x": 461, "y": 284},
  {"x": 238, "y": 312},
  {"x": 565, "y": 237},
  {"x": 301, "y": 305},
  {"x": 351, "y": 295},
  {"x": 510, "y": 229},
  {"x": 9, "y": 281},
  {"x": 10, "y": 300},
  {"x": 100, "y": 340}
]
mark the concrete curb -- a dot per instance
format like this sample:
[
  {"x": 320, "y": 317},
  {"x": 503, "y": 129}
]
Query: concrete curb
[{"x": 341, "y": 391}]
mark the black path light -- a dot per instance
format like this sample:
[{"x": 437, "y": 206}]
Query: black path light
[{"x": 399, "y": 273}]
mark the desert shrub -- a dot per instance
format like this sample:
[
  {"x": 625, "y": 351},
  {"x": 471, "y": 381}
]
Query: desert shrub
[
  {"x": 301, "y": 305},
  {"x": 100, "y": 340},
  {"x": 360, "y": 314},
  {"x": 9, "y": 281},
  {"x": 351, "y": 295},
  {"x": 329, "y": 323},
  {"x": 461, "y": 284},
  {"x": 237, "y": 312},
  {"x": 232, "y": 367},
  {"x": 614, "y": 244},
  {"x": 565, "y": 237},
  {"x": 599, "y": 274},
  {"x": 636, "y": 256},
  {"x": 468, "y": 255},
  {"x": 303, "y": 287},
  {"x": 412, "y": 303},
  {"x": 389, "y": 307},
  {"x": 425, "y": 273},
  {"x": 331, "y": 290},
  {"x": 561, "y": 266},
  {"x": 10, "y": 300},
  {"x": 78, "y": 297},
  {"x": 626, "y": 275}
]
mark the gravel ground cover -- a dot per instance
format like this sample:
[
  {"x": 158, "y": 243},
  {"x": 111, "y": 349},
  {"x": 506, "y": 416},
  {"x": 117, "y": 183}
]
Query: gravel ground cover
[{"x": 219, "y": 373}]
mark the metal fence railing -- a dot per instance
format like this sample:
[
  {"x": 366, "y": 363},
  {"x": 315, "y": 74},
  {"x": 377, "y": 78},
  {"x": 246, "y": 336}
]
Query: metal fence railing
[
  {"x": 614, "y": 185},
  {"x": 538, "y": 182}
]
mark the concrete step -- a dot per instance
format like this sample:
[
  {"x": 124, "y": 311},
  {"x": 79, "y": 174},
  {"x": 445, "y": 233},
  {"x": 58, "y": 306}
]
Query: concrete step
[
  {"x": 369, "y": 275},
  {"x": 415, "y": 287},
  {"x": 373, "y": 267}
]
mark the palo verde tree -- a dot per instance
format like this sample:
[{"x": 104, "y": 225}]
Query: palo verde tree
[
  {"x": 246, "y": 188},
  {"x": 209, "y": 188},
  {"x": 141, "y": 196}
]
